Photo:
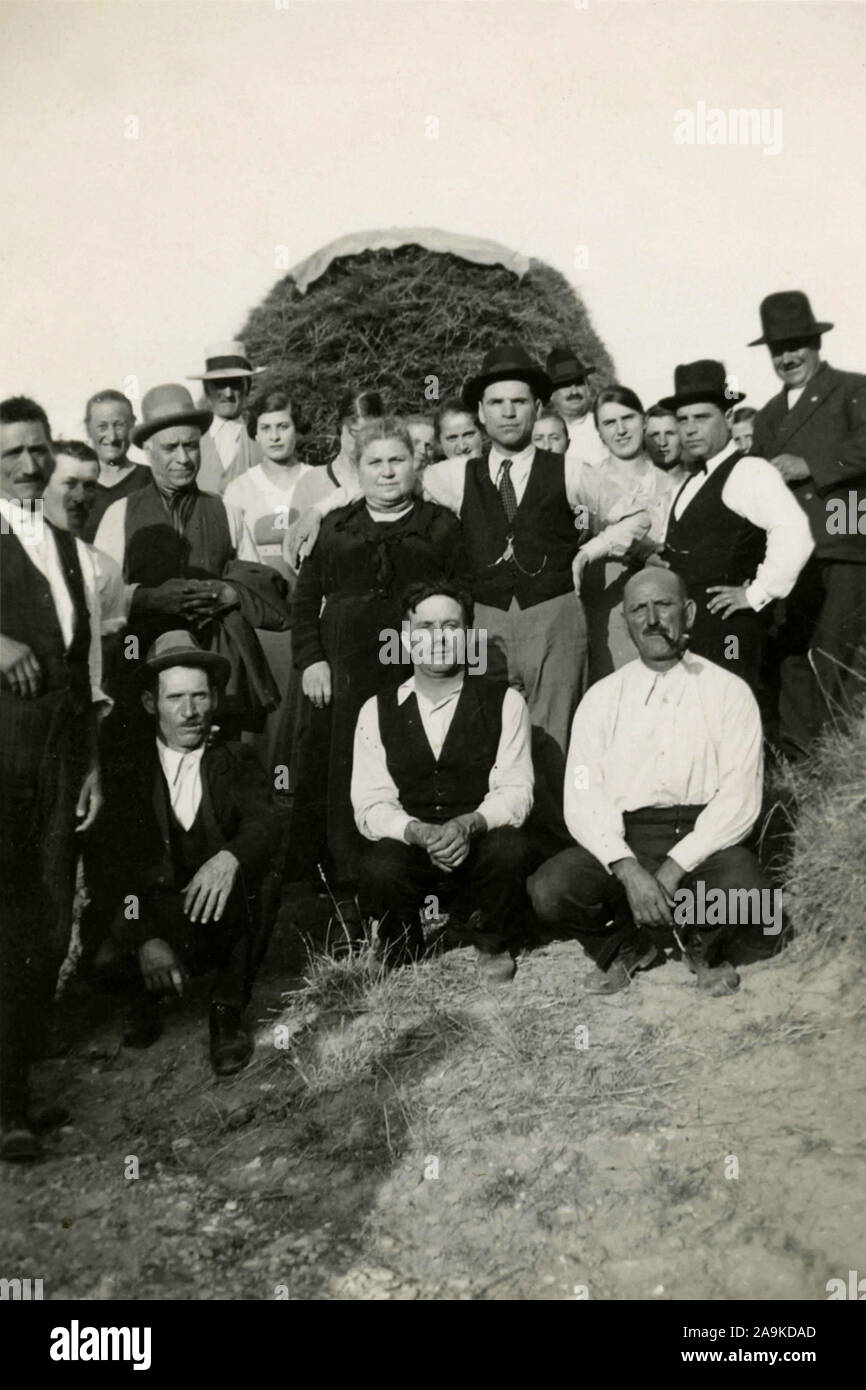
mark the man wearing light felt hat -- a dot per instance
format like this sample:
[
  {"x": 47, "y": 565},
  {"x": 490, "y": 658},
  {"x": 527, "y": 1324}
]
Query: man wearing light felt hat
[
  {"x": 226, "y": 449},
  {"x": 814, "y": 433}
]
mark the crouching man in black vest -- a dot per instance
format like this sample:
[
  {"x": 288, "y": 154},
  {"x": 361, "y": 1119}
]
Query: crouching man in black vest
[
  {"x": 441, "y": 784},
  {"x": 189, "y": 840}
]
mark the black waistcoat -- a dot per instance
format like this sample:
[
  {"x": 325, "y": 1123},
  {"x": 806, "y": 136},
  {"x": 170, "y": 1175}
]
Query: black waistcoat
[
  {"x": 436, "y": 791},
  {"x": 543, "y": 535},
  {"x": 29, "y": 615},
  {"x": 154, "y": 551},
  {"x": 710, "y": 544}
]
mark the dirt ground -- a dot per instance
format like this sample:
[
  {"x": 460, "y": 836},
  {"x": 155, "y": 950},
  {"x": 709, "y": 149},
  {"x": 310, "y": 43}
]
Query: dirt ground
[{"x": 420, "y": 1137}]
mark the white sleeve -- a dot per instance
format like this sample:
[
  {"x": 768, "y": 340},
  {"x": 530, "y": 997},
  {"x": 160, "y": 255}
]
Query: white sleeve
[
  {"x": 509, "y": 799},
  {"x": 730, "y": 814},
  {"x": 443, "y": 483},
  {"x": 757, "y": 491},
  {"x": 111, "y": 532},
  {"x": 115, "y": 597},
  {"x": 590, "y": 815},
  {"x": 375, "y": 799}
]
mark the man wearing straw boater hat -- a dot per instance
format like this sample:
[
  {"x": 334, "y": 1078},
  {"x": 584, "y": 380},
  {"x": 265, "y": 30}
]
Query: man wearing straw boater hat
[
  {"x": 226, "y": 448},
  {"x": 190, "y": 835},
  {"x": 735, "y": 534},
  {"x": 572, "y": 398},
  {"x": 814, "y": 432}
]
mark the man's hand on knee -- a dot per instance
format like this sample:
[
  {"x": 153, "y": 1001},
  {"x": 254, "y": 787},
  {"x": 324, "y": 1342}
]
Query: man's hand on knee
[
  {"x": 668, "y": 875},
  {"x": 160, "y": 968},
  {"x": 646, "y": 896},
  {"x": 207, "y": 892}
]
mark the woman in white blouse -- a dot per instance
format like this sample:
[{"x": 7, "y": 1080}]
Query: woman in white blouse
[{"x": 627, "y": 500}]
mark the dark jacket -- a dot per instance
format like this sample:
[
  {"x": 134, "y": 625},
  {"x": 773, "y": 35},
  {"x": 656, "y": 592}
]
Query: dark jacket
[
  {"x": 827, "y": 428},
  {"x": 235, "y": 810}
]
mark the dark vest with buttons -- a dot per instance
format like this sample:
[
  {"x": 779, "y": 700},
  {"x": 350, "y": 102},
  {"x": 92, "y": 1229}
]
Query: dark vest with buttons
[
  {"x": 710, "y": 544},
  {"x": 543, "y": 534},
  {"x": 437, "y": 791},
  {"x": 29, "y": 616},
  {"x": 155, "y": 552}
]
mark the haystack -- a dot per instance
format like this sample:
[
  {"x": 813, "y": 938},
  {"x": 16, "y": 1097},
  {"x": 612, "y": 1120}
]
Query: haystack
[{"x": 410, "y": 312}]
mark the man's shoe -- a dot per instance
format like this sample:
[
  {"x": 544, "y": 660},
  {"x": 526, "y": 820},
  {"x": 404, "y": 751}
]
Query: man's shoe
[
  {"x": 231, "y": 1046},
  {"x": 143, "y": 1023},
  {"x": 715, "y": 980},
  {"x": 18, "y": 1143},
  {"x": 496, "y": 969},
  {"x": 618, "y": 975}
]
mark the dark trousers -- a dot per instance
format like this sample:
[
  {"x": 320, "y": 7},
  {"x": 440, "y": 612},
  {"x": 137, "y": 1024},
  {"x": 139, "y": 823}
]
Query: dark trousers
[
  {"x": 490, "y": 884},
  {"x": 736, "y": 642},
  {"x": 575, "y": 892},
  {"x": 825, "y": 620},
  {"x": 227, "y": 947},
  {"x": 42, "y": 747}
]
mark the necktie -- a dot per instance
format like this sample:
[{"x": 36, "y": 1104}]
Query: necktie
[
  {"x": 698, "y": 466},
  {"x": 506, "y": 491}
]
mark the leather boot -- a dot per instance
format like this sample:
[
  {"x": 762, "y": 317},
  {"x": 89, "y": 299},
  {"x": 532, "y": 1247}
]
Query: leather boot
[{"x": 230, "y": 1044}]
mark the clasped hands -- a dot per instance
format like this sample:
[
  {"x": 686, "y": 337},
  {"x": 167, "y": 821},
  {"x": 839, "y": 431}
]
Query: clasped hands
[
  {"x": 650, "y": 896},
  {"x": 197, "y": 600},
  {"x": 447, "y": 845}
]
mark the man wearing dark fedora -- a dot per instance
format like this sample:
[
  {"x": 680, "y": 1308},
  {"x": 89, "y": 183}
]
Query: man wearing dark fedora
[
  {"x": 735, "y": 534},
  {"x": 814, "y": 433},
  {"x": 571, "y": 396},
  {"x": 227, "y": 450},
  {"x": 189, "y": 835}
]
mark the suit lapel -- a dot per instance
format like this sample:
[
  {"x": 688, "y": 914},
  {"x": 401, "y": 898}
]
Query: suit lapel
[{"x": 814, "y": 394}]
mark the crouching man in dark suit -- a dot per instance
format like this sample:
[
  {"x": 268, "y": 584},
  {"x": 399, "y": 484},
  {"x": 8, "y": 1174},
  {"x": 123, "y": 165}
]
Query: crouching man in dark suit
[
  {"x": 190, "y": 839},
  {"x": 441, "y": 784}
]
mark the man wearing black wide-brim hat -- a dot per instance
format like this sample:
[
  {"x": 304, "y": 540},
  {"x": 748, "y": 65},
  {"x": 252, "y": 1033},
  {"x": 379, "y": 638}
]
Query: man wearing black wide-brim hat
[
  {"x": 189, "y": 834},
  {"x": 518, "y": 507},
  {"x": 571, "y": 396},
  {"x": 735, "y": 533},
  {"x": 814, "y": 432}
]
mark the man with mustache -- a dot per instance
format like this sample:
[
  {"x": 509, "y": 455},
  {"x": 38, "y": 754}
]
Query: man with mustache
[
  {"x": 662, "y": 787},
  {"x": 68, "y": 502},
  {"x": 814, "y": 432},
  {"x": 227, "y": 450},
  {"x": 51, "y": 701},
  {"x": 190, "y": 835},
  {"x": 572, "y": 398},
  {"x": 734, "y": 533}
]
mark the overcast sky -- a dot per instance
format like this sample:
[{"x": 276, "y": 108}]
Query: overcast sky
[{"x": 262, "y": 127}]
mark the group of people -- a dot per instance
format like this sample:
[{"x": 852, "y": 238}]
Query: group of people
[{"x": 520, "y": 659}]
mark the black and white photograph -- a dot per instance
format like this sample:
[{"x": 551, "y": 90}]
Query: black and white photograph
[{"x": 433, "y": 666}]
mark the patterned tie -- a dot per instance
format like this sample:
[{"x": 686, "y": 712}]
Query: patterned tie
[{"x": 506, "y": 491}]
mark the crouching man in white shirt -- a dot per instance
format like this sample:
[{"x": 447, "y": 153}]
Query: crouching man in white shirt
[
  {"x": 663, "y": 784},
  {"x": 441, "y": 783}
]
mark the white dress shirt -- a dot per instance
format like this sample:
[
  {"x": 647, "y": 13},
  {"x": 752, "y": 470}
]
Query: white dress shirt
[
  {"x": 111, "y": 534},
  {"x": 226, "y": 435},
  {"x": 585, "y": 444},
  {"x": 628, "y": 500},
  {"x": 757, "y": 491},
  {"x": 690, "y": 736},
  {"x": 182, "y": 769},
  {"x": 444, "y": 482},
  {"x": 115, "y": 597},
  {"x": 36, "y": 536},
  {"x": 376, "y": 801}
]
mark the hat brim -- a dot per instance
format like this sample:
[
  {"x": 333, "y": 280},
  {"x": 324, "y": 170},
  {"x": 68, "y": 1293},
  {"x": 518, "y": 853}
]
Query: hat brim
[
  {"x": 218, "y": 666},
  {"x": 673, "y": 403},
  {"x": 573, "y": 379},
  {"x": 475, "y": 386},
  {"x": 143, "y": 430},
  {"x": 814, "y": 332},
  {"x": 226, "y": 373}
]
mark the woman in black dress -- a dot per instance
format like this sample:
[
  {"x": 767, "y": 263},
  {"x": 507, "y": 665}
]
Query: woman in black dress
[{"x": 346, "y": 601}]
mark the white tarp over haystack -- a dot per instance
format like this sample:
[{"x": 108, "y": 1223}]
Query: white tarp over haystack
[{"x": 470, "y": 248}]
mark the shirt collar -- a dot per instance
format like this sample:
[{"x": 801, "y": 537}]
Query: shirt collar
[
  {"x": 173, "y": 759},
  {"x": 521, "y": 460},
  {"x": 26, "y": 520},
  {"x": 730, "y": 448},
  {"x": 410, "y": 688},
  {"x": 645, "y": 678}
]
